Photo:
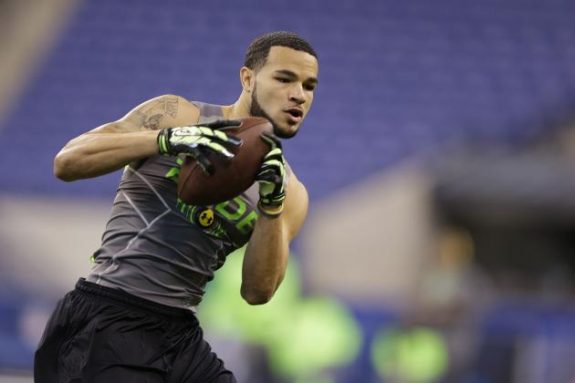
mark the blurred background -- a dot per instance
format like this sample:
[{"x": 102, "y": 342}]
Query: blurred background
[{"x": 439, "y": 157}]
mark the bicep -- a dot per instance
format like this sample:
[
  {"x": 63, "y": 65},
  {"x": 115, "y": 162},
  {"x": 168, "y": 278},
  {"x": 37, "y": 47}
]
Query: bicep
[
  {"x": 157, "y": 113},
  {"x": 154, "y": 114}
]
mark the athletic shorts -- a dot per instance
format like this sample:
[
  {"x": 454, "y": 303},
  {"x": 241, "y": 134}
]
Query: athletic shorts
[{"x": 98, "y": 334}]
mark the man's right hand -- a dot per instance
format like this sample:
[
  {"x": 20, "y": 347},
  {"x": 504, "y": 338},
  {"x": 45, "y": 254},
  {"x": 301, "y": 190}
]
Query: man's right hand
[{"x": 197, "y": 140}]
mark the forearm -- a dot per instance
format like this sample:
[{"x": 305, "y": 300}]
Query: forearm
[
  {"x": 93, "y": 154},
  {"x": 265, "y": 260}
]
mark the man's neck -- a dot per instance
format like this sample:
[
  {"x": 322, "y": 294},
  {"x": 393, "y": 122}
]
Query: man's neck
[{"x": 239, "y": 109}]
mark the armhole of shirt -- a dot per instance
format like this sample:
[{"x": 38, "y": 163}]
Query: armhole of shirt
[{"x": 208, "y": 112}]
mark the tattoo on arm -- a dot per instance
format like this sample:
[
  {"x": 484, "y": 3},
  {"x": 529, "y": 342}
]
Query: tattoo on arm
[
  {"x": 152, "y": 115},
  {"x": 171, "y": 107},
  {"x": 152, "y": 122}
]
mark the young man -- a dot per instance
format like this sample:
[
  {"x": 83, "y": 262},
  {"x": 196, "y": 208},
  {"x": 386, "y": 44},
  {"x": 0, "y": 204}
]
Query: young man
[{"x": 132, "y": 318}]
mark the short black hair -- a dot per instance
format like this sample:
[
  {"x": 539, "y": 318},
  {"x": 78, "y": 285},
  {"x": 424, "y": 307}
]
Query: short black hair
[{"x": 258, "y": 50}]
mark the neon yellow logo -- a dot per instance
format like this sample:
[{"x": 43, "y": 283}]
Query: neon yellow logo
[{"x": 206, "y": 217}]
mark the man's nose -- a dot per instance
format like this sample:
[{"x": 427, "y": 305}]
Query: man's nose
[{"x": 297, "y": 94}]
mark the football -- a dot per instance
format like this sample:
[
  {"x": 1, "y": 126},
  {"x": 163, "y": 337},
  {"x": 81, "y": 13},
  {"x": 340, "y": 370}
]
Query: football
[{"x": 230, "y": 177}]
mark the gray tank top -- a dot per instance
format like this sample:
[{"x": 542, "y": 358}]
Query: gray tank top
[{"x": 158, "y": 248}]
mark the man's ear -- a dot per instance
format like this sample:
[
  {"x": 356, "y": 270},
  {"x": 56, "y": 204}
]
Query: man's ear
[{"x": 247, "y": 78}]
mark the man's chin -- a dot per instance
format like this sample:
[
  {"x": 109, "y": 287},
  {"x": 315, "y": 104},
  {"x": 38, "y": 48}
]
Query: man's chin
[{"x": 285, "y": 132}]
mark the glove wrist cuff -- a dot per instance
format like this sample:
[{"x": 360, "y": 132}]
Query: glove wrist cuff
[
  {"x": 162, "y": 140},
  {"x": 272, "y": 211}
]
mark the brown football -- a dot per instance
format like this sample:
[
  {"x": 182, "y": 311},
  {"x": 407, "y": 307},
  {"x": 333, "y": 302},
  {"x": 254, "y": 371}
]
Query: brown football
[{"x": 230, "y": 177}]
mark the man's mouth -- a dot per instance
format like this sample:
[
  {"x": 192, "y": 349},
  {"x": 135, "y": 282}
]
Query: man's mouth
[{"x": 295, "y": 113}]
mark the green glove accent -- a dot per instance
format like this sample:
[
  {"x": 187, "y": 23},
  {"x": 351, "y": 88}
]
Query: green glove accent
[
  {"x": 197, "y": 140},
  {"x": 271, "y": 179}
]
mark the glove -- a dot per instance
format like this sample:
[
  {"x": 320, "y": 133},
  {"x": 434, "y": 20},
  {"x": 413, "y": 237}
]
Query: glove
[
  {"x": 271, "y": 179},
  {"x": 197, "y": 140}
]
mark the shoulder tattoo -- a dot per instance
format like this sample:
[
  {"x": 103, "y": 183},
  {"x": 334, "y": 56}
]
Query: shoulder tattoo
[{"x": 152, "y": 115}]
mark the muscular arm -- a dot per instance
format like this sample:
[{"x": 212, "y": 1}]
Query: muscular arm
[
  {"x": 266, "y": 256},
  {"x": 116, "y": 144}
]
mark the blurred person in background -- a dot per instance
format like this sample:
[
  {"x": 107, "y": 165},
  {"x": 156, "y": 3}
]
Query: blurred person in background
[
  {"x": 132, "y": 318},
  {"x": 452, "y": 293}
]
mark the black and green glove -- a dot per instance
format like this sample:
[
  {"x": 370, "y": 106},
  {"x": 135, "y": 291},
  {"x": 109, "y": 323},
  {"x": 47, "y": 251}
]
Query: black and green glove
[
  {"x": 198, "y": 140},
  {"x": 271, "y": 179}
]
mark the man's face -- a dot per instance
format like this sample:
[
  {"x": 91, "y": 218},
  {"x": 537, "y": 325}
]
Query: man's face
[{"x": 284, "y": 87}]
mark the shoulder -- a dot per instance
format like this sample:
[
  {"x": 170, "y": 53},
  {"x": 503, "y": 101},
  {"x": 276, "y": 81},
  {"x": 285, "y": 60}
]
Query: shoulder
[
  {"x": 294, "y": 184},
  {"x": 292, "y": 181},
  {"x": 296, "y": 204}
]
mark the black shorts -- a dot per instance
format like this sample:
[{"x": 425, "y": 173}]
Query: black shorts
[{"x": 98, "y": 334}]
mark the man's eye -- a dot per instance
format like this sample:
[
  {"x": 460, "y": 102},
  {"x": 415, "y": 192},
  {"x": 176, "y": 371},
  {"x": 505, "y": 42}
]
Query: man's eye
[
  {"x": 283, "y": 80},
  {"x": 309, "y": 87}
]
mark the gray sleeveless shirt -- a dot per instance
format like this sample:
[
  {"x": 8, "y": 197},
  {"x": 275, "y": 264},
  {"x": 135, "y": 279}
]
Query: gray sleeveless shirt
[{"x": 158, "y": 248}]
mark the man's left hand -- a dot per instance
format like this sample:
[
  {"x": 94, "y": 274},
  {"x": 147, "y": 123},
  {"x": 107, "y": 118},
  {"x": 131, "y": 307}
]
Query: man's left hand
[{"x": 271, "y": 178}]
